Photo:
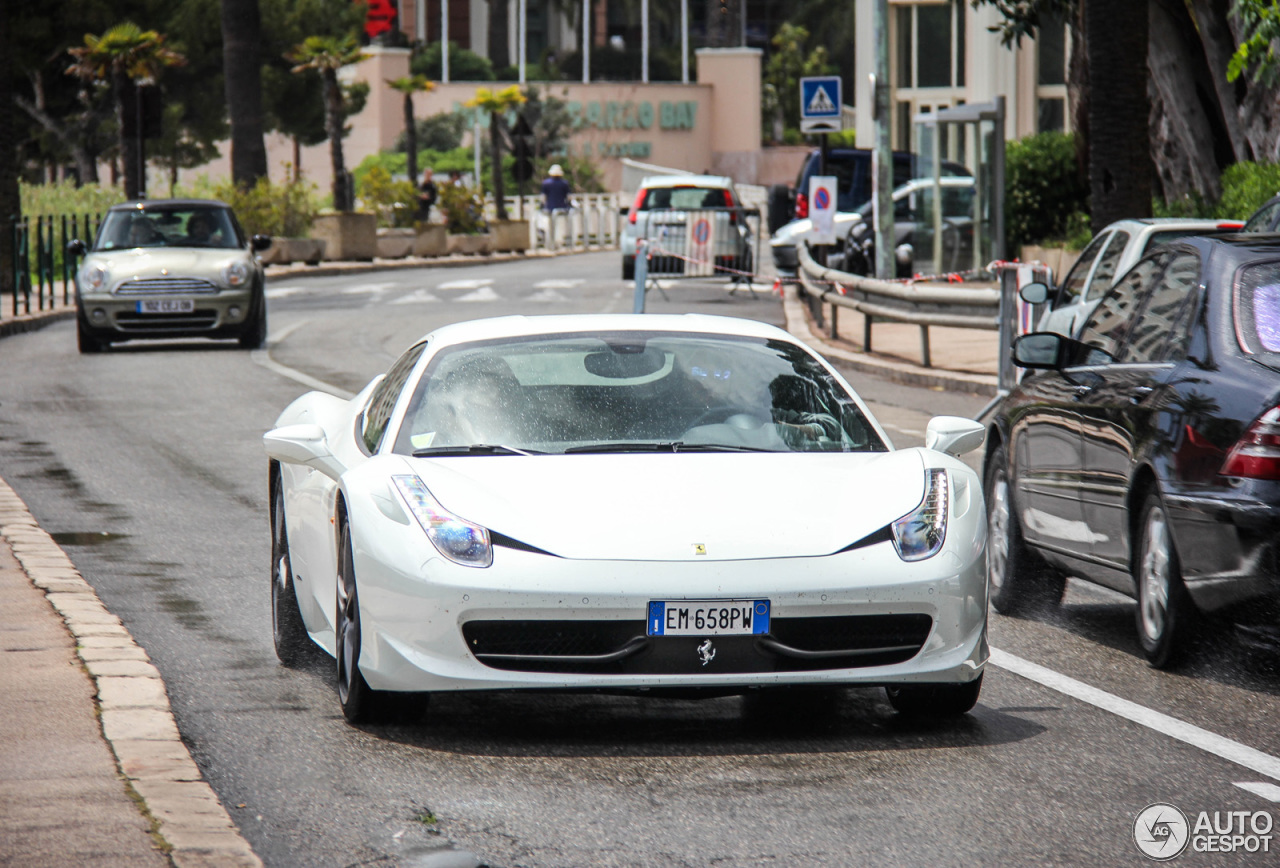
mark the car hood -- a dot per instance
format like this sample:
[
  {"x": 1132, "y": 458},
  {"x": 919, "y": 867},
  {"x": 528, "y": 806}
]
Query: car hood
[
  {"x": 152, "y": 261},
  {"x": 660, "y": 506}
]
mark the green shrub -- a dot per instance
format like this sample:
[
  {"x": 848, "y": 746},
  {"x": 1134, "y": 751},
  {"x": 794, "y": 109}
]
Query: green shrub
[
  {"x": 463, "y": 210},
  {"x": 1245, "y": 186},
  {"x": 282, "y": 210},
  {"x": 1042, "y": 188},
  {"x": 65, "y": 197},
  {"x": 395, "y": 202},
  {"x": 464, "y": 65}
]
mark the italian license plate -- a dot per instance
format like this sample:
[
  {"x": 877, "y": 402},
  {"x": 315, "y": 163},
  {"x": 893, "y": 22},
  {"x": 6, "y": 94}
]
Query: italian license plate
[
  {"x": 166, "y": 305},
  {"x": 708, "y": 617}
]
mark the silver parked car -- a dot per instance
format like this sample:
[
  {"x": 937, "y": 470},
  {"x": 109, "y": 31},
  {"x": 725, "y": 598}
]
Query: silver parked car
[{"x": 170, "y": 268}]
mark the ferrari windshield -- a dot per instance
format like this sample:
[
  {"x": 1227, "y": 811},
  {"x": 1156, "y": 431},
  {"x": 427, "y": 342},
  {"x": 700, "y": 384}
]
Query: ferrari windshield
[
  {"x": 198, "y": 226},
  {"x": 633, "y": 391}
]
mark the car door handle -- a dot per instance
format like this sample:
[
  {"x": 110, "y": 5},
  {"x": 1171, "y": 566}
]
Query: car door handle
[
  {"x": 1081, "y": 391},
  {"x": 1140, "y": 393}
]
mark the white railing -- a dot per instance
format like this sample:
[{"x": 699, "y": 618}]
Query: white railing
[{"x": 591, "y": 224}]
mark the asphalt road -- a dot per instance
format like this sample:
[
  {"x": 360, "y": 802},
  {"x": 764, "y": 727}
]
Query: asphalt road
[{"x": 146, "y": 464}]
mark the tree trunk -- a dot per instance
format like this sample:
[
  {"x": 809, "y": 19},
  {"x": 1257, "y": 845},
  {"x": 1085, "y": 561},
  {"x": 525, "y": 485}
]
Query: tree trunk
[
  {"x": 410, "y": 139},
  {"x": 1119, "y": 142},
  {"x": 125, "y": 91},
  {"x": 495, "y": 147},
  {"x": 1185, "y": 124},
  {"x": 333, "y": 126},
  {"x": 10, "y": 200},
  {"x": 297, "y": 159},
  {"x": 1078, "y": 92},
  {"x": 499, "y": 35},
  {"x": 1215, "y": 38},
  {"x": 242, "y": 65}
]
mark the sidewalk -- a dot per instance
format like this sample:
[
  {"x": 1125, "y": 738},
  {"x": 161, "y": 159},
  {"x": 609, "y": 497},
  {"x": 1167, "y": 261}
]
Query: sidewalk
[{"x": 92, "y": 769}]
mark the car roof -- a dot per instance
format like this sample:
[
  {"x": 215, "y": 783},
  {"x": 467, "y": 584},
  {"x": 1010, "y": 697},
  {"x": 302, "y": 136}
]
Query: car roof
[
  {"x": 1156, "y": 223},
  {"x": 559, "y": 324},
  {"x": 168, "y": 204},
  {"x": 717, "y": 181}
]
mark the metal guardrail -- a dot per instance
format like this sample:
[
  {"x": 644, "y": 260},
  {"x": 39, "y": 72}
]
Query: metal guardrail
[
  {"x": 919, "y": 305},
  {"x": 40, "y": 254}
]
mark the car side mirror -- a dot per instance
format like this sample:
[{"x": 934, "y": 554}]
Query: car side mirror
[
  {"x": 75, "y": 247},
  {"x": 305, "y": 445},
  {"x": 1034, "y": 293},
  {"x": 261, "y": 242},
  {"x": 954, "y": 435},
  {"x": 1045, "y": 351},
  {"x": 904, "y": 254}
]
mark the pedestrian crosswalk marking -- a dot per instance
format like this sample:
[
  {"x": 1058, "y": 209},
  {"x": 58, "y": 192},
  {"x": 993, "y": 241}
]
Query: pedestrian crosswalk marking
[
  {"x": 484, "y": 293},
  {"x": 558, "y": 283},
  {"x": 546, "y": 295},
  {"x": 367, "y": 288},
  {"x": 416, "y": 297},
  {"x": 465, "y": 284}
]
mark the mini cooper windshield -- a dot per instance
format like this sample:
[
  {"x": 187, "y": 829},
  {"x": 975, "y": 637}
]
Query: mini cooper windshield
[
  {"x": 630, "y": 392},
  {"x": 169, "y": 227}
]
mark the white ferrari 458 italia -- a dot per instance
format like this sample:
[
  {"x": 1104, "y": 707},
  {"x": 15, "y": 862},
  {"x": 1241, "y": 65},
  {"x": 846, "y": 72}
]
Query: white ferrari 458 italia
[{"x": 624, "y": 502}]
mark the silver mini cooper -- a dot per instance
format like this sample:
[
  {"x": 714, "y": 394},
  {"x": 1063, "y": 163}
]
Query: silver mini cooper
[{"x": 170, "y": 268}]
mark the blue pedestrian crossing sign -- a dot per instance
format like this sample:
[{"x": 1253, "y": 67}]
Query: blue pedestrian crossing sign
[{"x": 820, "y": 104}]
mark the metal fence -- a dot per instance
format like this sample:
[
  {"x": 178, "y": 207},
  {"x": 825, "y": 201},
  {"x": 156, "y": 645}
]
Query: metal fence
[
  {"x": 592, "y": 222},
  {"x": 706, "y": 242},
  {"x": 41, "y": 260}
]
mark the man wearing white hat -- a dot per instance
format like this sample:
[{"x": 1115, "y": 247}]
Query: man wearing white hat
[{"x": 555, "y": 197}]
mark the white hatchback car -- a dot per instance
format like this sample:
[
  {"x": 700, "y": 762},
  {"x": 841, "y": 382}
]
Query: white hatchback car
[
  {"x": 695, "y": 224},
  {"x": 1111, "y": 253}
]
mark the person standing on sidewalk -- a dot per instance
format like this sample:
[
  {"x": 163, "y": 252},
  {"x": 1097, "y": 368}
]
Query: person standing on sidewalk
[
  {"x": 427, "y": 196},
  {"x": 555, "y": 199}
]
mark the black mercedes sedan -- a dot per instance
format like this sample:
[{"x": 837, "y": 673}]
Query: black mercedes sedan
[{"x": 1144, "y": 455}]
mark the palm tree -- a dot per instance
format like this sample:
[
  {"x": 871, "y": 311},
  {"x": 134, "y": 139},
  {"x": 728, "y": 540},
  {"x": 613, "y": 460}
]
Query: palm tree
[
  {"x": 326, "y": 55},
  {"x": 409, "y": 85},
  {"x": 241, "y": 52},
  {"x": 120, "y": 56},
  {"x": 497, "y": 103}
]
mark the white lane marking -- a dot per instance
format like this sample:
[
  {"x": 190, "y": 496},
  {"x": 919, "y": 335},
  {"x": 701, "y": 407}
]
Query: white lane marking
[
  {"x": 416, "y": 297},
  {"x": 465, "y": 284},
  {"x": 554, "y": 283},
  {"x": 546, "y": 295},
  {"x": 282, "y": 291},
  {"x": 1268, "y": 791},
  {"x": 1232, "y": 751},
  {"x": 484, "y": 293},
  {"x": 263, "y": 357},
  {"x": 368, "y": 289}
]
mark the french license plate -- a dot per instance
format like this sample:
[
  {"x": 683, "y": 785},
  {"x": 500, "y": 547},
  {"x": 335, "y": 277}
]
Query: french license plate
[
  {"x": 166, "y": 305},
  {"x": 708, "y": 617}
]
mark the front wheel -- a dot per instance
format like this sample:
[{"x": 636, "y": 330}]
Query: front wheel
[
  {"x": 287, "y": 630},
  {"x": 934, "y": 700},
  {"x": 360, "y": 704},
  {"x": 85, "y": 341},
  {"x": 255, "y": 331},
  {"x": 1165, "y": 612},
  {"x": 628, "y": 268},
  {"x": 1018, "y": 580}
]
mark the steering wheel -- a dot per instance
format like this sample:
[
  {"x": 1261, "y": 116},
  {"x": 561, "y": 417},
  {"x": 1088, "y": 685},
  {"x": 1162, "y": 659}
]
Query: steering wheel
[{"x": 738, "y": 417}]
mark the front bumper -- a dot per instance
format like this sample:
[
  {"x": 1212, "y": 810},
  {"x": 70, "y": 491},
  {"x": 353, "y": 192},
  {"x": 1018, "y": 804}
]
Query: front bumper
[
  {"x": 119, "y": 317},
  {"x": 442, "y": 627}
]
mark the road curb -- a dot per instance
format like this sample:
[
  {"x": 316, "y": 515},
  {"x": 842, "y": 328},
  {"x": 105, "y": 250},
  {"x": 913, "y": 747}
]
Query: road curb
[
  {"x": 133, "y": 706},
  {"x": 26, "y": 322},
  {"x": 911, "y": 375}
]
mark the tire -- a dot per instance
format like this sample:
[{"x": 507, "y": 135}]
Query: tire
[
  {"x": 85, "y": 340},
  {"x": 628, "y": 268},
  {"x": 287, "y": 629},
  {"x": 360, "y": 704},
  {"x": 1165, "y": 614},
  {"x": 934, "y": 700},
  {"x": 781, "y": 207},
  {"x": 255, "y": 331},
  {"x": 1018, "y": 580}
]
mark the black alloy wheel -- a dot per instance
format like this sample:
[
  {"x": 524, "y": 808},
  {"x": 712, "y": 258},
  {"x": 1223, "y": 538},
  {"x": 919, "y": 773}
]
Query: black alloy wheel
[
  {"x": 287, "y": 629},
  {"x": 934, "y": 700},
  {"x": 360, "y": 704},
  {"x": 254, "y": 334},
  {"x": 1165, "y": 614},
  {"x": 1018, "y": 580},
  {"x": 85, "y": 340}
]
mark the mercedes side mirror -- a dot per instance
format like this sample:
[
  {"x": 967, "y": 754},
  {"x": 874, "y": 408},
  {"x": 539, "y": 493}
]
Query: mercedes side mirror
[{"x": 1034, "y": 293}]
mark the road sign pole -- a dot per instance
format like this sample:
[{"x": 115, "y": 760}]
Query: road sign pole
[
  {"x": 642, "y": 275},
  {"x": 882, "y": 188}
]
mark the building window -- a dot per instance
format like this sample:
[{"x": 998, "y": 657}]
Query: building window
[
  {"x": 1051, "y": 75},
  {"x": 930, "y": 57}
]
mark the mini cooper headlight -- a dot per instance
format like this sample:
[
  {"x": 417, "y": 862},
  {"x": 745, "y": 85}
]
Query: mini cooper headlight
[
  {"x": 920, "y": 533},
  {"x": 236, "y": 273},
  {"x": 93, "y": 276},
  {"x": 457, "y": 539}
]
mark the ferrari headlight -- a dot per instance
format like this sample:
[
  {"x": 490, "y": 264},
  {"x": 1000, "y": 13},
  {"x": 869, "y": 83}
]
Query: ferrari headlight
[
  {"x": 93, "y": 277},
  {"x": 236, "y": 273},
  {"x": 457, "y": 539},
  {"x": 920, "y": 533}
]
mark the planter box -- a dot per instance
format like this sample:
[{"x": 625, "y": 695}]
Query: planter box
[
  {"x": 285, "y": 250},
  {"x": 348, "y": 236},
  {"x": 470, "y": 244},
  {"x": 432, "y": 239},
  {"x": 510, "y": 235},
  {"x": 395, "y": 243}
]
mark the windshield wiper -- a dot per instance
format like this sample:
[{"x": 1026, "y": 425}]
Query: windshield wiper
[
  {"x": 664, "y": 446},
  {"x": 474, "y": 449}
]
